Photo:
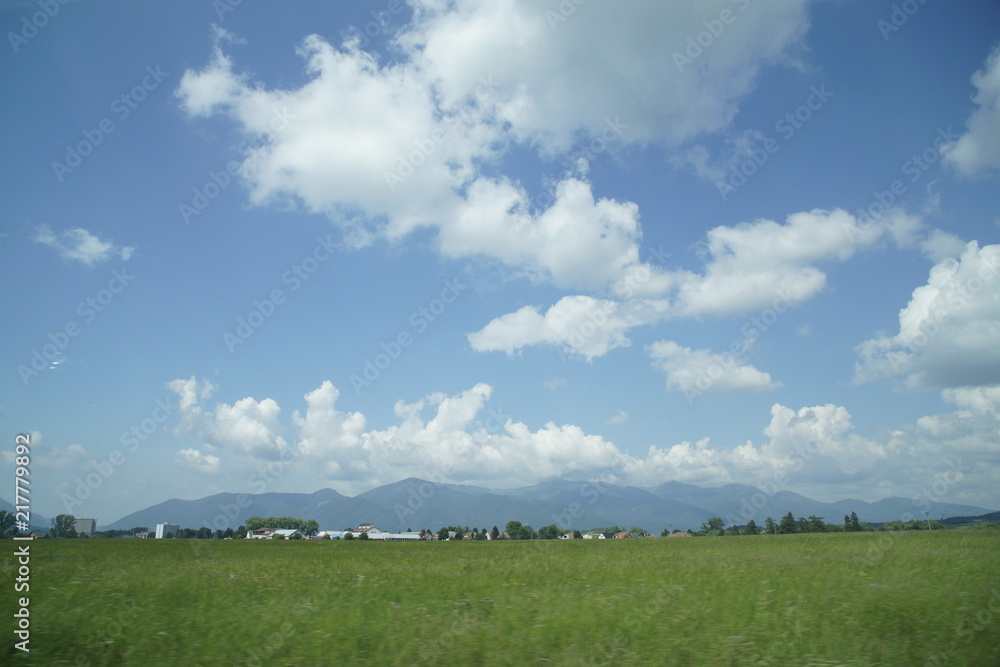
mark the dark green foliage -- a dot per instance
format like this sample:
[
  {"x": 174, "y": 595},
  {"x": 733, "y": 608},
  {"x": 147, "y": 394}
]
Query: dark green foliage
[{"x": 62, "y": 526}]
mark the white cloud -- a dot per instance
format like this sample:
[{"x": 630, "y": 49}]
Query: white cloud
[
  {"x": 556, "y": 83},
  {"x": 325, "y": 433},
  {"x": 754, "y": 265},
  {"x": 948, "y": 332},
  {"x": 386, "y": 149},
  {"x": 577, "y": 325},
  {"x": 696, "y": 372},
  {"x": 619, "y": 418},
  {"x": 247, "y": 428},
  {"x": 79, "y": 245},
  {"x": 48, "y": 456},
  {"x": 978, "y": 150},
  {"x": 762, "y": 265},
  {"x": 461, "y": 439},
  {"x": 193, "y": 459}
]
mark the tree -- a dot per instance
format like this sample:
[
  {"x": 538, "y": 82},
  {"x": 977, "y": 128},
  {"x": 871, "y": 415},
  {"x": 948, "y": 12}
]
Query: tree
[
  {"x": 62, "y": 526},
  {"x": 309, "y": 527},
  {"x": 714, "y": 526},
  {"x": 769, "y": 526},
  {"x": 788, "y": 525},
  {"x": 847, "y": 524},
  {"x": 363, "y": 535},
  {"x": 816, "y": 524},
  {"x": 348, "y": 535},
  {"x": 495, "y": 532},
  {"x": 577, "y": 535},
  {"x": 549, "y": 532},
  {"x": 751, "y": 528},
  {"x": 855, "y": 524},
  {"x": 7, "y": 528}
]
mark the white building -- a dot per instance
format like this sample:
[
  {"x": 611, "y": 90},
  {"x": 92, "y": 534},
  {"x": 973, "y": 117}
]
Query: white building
[
  {"x": 163, "y": 528},
  {"x": 84, "y": 526}
]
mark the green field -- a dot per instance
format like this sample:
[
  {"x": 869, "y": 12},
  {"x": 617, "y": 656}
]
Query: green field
[{"x": 908, "y": 598}]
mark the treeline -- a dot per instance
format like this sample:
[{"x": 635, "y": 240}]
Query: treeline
[{"x": 813, "y": 524}]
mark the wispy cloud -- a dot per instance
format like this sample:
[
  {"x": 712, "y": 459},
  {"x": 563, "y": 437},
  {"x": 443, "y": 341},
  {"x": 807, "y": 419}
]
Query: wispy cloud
[{"x": 79, "y": 245}]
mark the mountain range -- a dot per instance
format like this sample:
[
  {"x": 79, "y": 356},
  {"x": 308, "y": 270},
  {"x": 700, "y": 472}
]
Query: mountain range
[{"x": 416, "y": 503}]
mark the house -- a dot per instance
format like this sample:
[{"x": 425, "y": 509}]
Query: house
[
  {"x": 329, "y": 535},
  {"x": 369, "y": 528},
  {"x": 680, "y": 534},
  {"x": 259, "y": 534},
  {"x": 286, "y": 534},
  {"x": 621, "y": 536},
  {"x": 591, "y": 536},
  {"x": 606, "y": 536}
]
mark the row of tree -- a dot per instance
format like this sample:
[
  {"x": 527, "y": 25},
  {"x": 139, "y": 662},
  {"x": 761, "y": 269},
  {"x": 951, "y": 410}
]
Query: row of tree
[
  {"x": 63, "y": 526},
  {"x": 813, "y": 524}
]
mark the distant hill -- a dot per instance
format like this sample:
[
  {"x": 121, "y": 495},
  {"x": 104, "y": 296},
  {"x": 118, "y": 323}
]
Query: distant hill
[
  {"x": 958, "y": 520},
  {"x": 416, "y": 503},
  {"x": 37, "y": 520}
]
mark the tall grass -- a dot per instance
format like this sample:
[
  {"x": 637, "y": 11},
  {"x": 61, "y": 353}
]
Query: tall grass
[{"x": 913, "y": 598}]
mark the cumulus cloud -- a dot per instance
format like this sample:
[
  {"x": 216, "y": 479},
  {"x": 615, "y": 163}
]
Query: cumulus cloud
[
  {"x": 79, "y": 245},
  {"x": 193, "y": 459},
  {"x": 948, "y": 331},
  {"x": 696, "y": 372},
  {"x": 581, "y": 326},
  {"x": 387, "y": 149},
  {"x": 760, "y": 265},
  {"x": 753, "y": 265},
  {"x": 247, "y": 427},
  {"x": 461, "y": 438},
  {"x": 978, "y": 150}
]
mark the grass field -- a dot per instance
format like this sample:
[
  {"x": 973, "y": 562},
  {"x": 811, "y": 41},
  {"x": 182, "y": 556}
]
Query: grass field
[{"x": 911, "y": 598}]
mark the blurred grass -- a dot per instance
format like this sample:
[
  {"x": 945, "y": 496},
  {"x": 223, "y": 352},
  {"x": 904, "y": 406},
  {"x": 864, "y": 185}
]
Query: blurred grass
[{"x": 913, "y": 598}]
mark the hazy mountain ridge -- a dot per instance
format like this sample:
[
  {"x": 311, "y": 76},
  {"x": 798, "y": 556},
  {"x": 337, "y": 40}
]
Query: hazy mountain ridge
[{"x": 416, "y": 503}]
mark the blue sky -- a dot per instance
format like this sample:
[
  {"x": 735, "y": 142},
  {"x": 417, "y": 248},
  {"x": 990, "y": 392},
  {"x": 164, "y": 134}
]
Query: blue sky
[{"x": 336, "y": 246}]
